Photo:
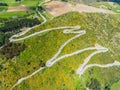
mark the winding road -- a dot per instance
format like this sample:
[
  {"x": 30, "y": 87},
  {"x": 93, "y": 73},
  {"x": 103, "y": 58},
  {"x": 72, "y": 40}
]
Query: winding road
[
  {"x": 72, "y": 29},
  {"x": 81, "y": 69},
  {"x": 53, "y": 60},
  {"x": 36, "y": 33},
  {"x": 115, "y": 63}
]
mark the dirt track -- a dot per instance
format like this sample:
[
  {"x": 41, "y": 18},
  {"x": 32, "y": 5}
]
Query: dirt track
[{"x": 57, "y": 8}]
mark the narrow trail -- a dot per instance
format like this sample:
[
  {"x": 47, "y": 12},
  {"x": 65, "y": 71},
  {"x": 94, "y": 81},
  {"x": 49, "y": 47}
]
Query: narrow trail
[{"x": 27, "y": 77}]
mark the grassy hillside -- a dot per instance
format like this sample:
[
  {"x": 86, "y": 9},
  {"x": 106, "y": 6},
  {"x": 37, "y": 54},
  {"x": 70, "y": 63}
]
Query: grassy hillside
[
  {"x": 108, "y": 5},
  {"x": 101, "y": 28}
]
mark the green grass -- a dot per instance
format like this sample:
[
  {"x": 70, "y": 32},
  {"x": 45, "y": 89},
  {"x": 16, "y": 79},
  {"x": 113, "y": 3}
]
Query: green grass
[
  {"x": 7, "y": 1},
  {"x": 101, "y": 29},
  {"x": 3, "y": 8},
  {"x": 29, "y": 3},
  {"x": 116, "y": 86},
  {"x": 11, "y": 14},
  {"x": 105, "y": 5}
]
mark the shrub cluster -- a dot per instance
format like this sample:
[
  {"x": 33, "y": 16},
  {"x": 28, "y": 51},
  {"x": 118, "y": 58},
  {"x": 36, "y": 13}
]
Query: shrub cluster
[
  {"x": 19, "y": 23},
  {"x": 11, "y": 50},
  {"x": 3, "y": 4}
]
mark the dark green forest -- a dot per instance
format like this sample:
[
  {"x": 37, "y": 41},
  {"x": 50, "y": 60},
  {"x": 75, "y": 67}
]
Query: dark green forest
[{"x": 10, "y": 26}]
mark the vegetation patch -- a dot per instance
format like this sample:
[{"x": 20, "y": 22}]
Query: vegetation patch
[
  {"x": 3, "y": 4},
  {"x": 101, "y": 28},
  {"x": 11, "y": 50},
  {"x": 108, "y": 5},
  {"x": 93, "y": 84},
  {"x": 19, "y": 23}
]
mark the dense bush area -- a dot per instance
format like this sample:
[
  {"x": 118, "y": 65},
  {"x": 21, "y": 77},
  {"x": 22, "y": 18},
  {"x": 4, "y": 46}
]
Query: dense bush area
[
  {"x": 10, "y": 50},
  {"x": 4, "y": 38},
  {"x": 65, "y": 0},
  {"x": 3, "y": 4},
  {"x": 10, "y": 26},
  {"x": 17, "y": 24},
  {"x": 93, "y": 84},
  {"x": 2, "y": 20},
  {"x": 117, "y": 1}
]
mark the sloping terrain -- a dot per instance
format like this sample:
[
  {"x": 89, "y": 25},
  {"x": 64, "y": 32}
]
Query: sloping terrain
[
  {"x": 57, "y": 8},
  {"x": 102, "y": 29},
  {"x": 108, "y": 6}
]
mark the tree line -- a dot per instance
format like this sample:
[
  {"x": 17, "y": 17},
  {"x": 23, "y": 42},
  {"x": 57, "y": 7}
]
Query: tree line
[
  {"x": 10, "y": 26},
  {"x": 3, "y": 4},
  {"x": 19, "y": 23}
]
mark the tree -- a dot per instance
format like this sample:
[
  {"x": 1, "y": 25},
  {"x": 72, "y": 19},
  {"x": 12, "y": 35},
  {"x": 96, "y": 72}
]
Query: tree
[
  {"x": 65, "y": 0},
  {"x": 94, "y": 84},
  {"x": 17, "y": 0},
  {"x": 107, "y": 87},
  {"x": 2, "y": 36},
  {"x": 1, "y": 67}
]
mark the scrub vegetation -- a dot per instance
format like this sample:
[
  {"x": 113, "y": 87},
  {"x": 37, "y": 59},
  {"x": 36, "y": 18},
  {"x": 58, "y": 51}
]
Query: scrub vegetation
[
  {"x": 108, "y": 5},
  {"x": 101, "y": 28}
]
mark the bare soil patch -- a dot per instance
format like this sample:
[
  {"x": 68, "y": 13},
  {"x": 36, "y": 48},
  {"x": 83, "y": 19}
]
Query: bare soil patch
[{"x": 57, "y": 8}]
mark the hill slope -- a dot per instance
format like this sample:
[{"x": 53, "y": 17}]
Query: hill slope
[{"x": 102, "y": 29}]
